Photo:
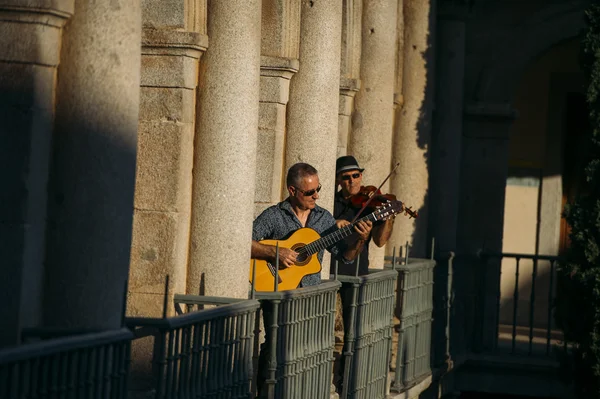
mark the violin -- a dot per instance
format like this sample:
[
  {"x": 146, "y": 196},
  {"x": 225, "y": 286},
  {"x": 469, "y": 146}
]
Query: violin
[
  {"x": 358, "y": 200},
  {"x": 373, "y": 197}
]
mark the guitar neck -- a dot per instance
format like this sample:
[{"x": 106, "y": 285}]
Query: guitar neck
[{"x": 333, "y": 238}]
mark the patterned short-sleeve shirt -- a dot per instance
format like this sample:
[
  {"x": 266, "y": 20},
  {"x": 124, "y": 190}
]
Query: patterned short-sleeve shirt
[{"x": 278, "y": 222}]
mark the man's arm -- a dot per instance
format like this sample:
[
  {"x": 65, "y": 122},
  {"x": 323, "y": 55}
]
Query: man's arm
[
  {"x": 383, "y": 232},
  {"x": 287, "y": 257},
  {"x": 363, "y": 229}
]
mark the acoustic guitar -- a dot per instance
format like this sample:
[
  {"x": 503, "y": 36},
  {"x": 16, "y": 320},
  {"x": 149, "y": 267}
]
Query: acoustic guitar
[{"x": 307, "y": 242}]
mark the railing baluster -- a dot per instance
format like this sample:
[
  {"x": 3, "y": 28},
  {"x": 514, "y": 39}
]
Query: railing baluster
[
  {"x": 498, "y": 302},
  {"x": 532, "y": 304},
  {"x": 550, "y": 300},
  {"x": 515, "y": 306}
]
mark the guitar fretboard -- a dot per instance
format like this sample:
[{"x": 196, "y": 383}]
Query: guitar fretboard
[{"x": 331, "y": 239}]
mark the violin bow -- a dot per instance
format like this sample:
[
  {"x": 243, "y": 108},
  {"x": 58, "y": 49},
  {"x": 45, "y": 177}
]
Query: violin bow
[{"x": 373, "y": 195}]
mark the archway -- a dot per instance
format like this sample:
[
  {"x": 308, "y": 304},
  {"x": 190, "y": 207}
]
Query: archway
[{"x": 542, "y": 147}]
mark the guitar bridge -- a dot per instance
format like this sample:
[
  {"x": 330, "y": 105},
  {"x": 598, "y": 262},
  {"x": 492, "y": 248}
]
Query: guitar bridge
[{"x": 272, "y": 269}]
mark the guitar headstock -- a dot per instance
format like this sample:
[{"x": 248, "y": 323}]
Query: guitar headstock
[
  {"x": 392, "y": 208},
  {"x": 388, "y": 209}
]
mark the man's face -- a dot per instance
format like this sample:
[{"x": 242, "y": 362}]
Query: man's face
[
  {"x": 350, "y": 181},
  {"x": 305, "y": 194}
]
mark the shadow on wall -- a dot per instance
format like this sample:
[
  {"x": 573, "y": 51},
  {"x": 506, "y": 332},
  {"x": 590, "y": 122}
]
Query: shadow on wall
[{"x": 423, "y": 141}]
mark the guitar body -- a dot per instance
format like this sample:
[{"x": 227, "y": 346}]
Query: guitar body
[{"x": 290, "y": 277}]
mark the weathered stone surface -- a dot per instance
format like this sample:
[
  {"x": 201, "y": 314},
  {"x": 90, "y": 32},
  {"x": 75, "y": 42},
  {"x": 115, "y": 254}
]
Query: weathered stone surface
[
  {"x": 30, "y": 38},
  {"x": 269, "y": 155},
  {"x": 169, "y": 71},
  {"x": 314, "y": 97},
  {"x": 225, "y": 150},
  {"x": 159, "y": 245},
  {"x": 167, "y": 104},
  {"x": 411, "y": 146},
  {"x": 164, "y": 167},
  {"x": 93, "y": 170},
  {"x": 280, "y": 28},
  {"x": 164, "y": 13}
]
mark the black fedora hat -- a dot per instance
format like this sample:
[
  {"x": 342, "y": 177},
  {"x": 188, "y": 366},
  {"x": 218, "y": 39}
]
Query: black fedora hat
[{"x": 347, "y": 162}]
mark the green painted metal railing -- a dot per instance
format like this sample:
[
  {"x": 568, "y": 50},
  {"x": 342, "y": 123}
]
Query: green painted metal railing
[
  {"x": 298, "y": 349},
  {"x": 414, "y": 309},
  {"x": 203, "y": 354},
  {"x": 82, "y": 366},
  {"x": 368, "y": 303}
]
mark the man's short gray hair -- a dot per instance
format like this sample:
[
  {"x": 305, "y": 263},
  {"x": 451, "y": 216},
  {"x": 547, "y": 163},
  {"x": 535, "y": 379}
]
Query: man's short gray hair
[{"x": 299, "y": 171}]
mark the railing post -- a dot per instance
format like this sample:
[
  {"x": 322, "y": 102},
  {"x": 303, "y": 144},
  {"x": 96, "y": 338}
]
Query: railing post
[
  {"x": 271, "y": 381},
  {"x": 349, "y": 339}
]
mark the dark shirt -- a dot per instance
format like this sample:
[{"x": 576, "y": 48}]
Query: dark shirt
[
  {"x": 344, "y": 210},
  {"x": 278, "y": 222}
]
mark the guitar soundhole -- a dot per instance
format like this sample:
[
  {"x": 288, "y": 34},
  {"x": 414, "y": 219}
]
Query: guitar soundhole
[{"x": 302, "y": 258}]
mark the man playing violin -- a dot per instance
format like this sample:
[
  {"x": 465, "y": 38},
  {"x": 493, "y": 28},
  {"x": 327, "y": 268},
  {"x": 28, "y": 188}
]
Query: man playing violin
[
  {"x": 349, "y": 178},
  {"x": 301, "y": 210}
]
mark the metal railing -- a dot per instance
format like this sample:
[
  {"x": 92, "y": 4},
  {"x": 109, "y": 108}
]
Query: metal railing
[
  {"x": 533, "y": 334},
  {"x": 81, "y": 366},
  {"x": 202, "y": 354},
  {"x": 299, "y": 341},
  {"x": 414, "y": 309},
  {"x": 368, "y": 309}
]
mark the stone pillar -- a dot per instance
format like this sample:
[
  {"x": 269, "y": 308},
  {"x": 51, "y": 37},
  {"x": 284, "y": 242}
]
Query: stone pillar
[
  {"x": 349, "y": 69},
  {"x": 30, "y": 39},
  {"x": 279, "y": 62},
  {"x": 225, "y": 151},
  {"x": 172, "y": 44},
  {"x": 413, "y": 126},
  {"x": 373, "y": 116},
  {"x": 93, "y": 166},
  {"x": 447, "y": 137},
  {"x": 275, "y": 75},
  {"x": 314, "y": 97}
]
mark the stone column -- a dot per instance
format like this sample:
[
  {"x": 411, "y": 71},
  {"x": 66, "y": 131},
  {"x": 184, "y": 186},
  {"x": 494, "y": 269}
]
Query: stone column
[
  {"x": 275, "y": 75},
  {"x": 93, "y": 166},
  {"x": 447, "y": 137},
  {"x": 279, "y": 62},
  {"x": 349, "y": 69},
  {"x": 412, "y": 136},
  {"x": 172, "y": 44},
  {"x": 373, "y": 116},
  {"x": 225, "y": 151},
  {"x": 314, "y": 97},
  {"x": 30, "y": 39}
]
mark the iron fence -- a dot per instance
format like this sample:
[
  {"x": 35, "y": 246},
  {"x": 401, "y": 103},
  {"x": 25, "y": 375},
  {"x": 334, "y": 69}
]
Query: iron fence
[
  {"x": 299, "y": 340},
  {"x": 524, "y": 306},
  {"x": 368, "y": 309},
  {"x": 414, "y": 309},
  {"x": 202, "y": 354},
  {"x": 93, "y": 365}
]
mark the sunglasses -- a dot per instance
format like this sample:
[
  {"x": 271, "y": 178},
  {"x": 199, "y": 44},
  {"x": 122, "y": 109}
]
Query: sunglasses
[
  {"x": 309, "y": 193},
  {"x": 353, "y": 175}
]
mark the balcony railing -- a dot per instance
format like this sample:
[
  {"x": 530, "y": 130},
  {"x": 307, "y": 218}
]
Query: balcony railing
[
  {"x": 203, "y": 354},
  {"x": 524, "y": 302},
  {"x": 81, "y": 366},
  {"x": 296, "y": 358},
  {"x": 368, "y": 306},
  {"x": 414, "y": 309}
]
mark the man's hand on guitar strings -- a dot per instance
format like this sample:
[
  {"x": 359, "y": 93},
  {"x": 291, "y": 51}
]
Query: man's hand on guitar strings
[{"x": 287, "y": 257}]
